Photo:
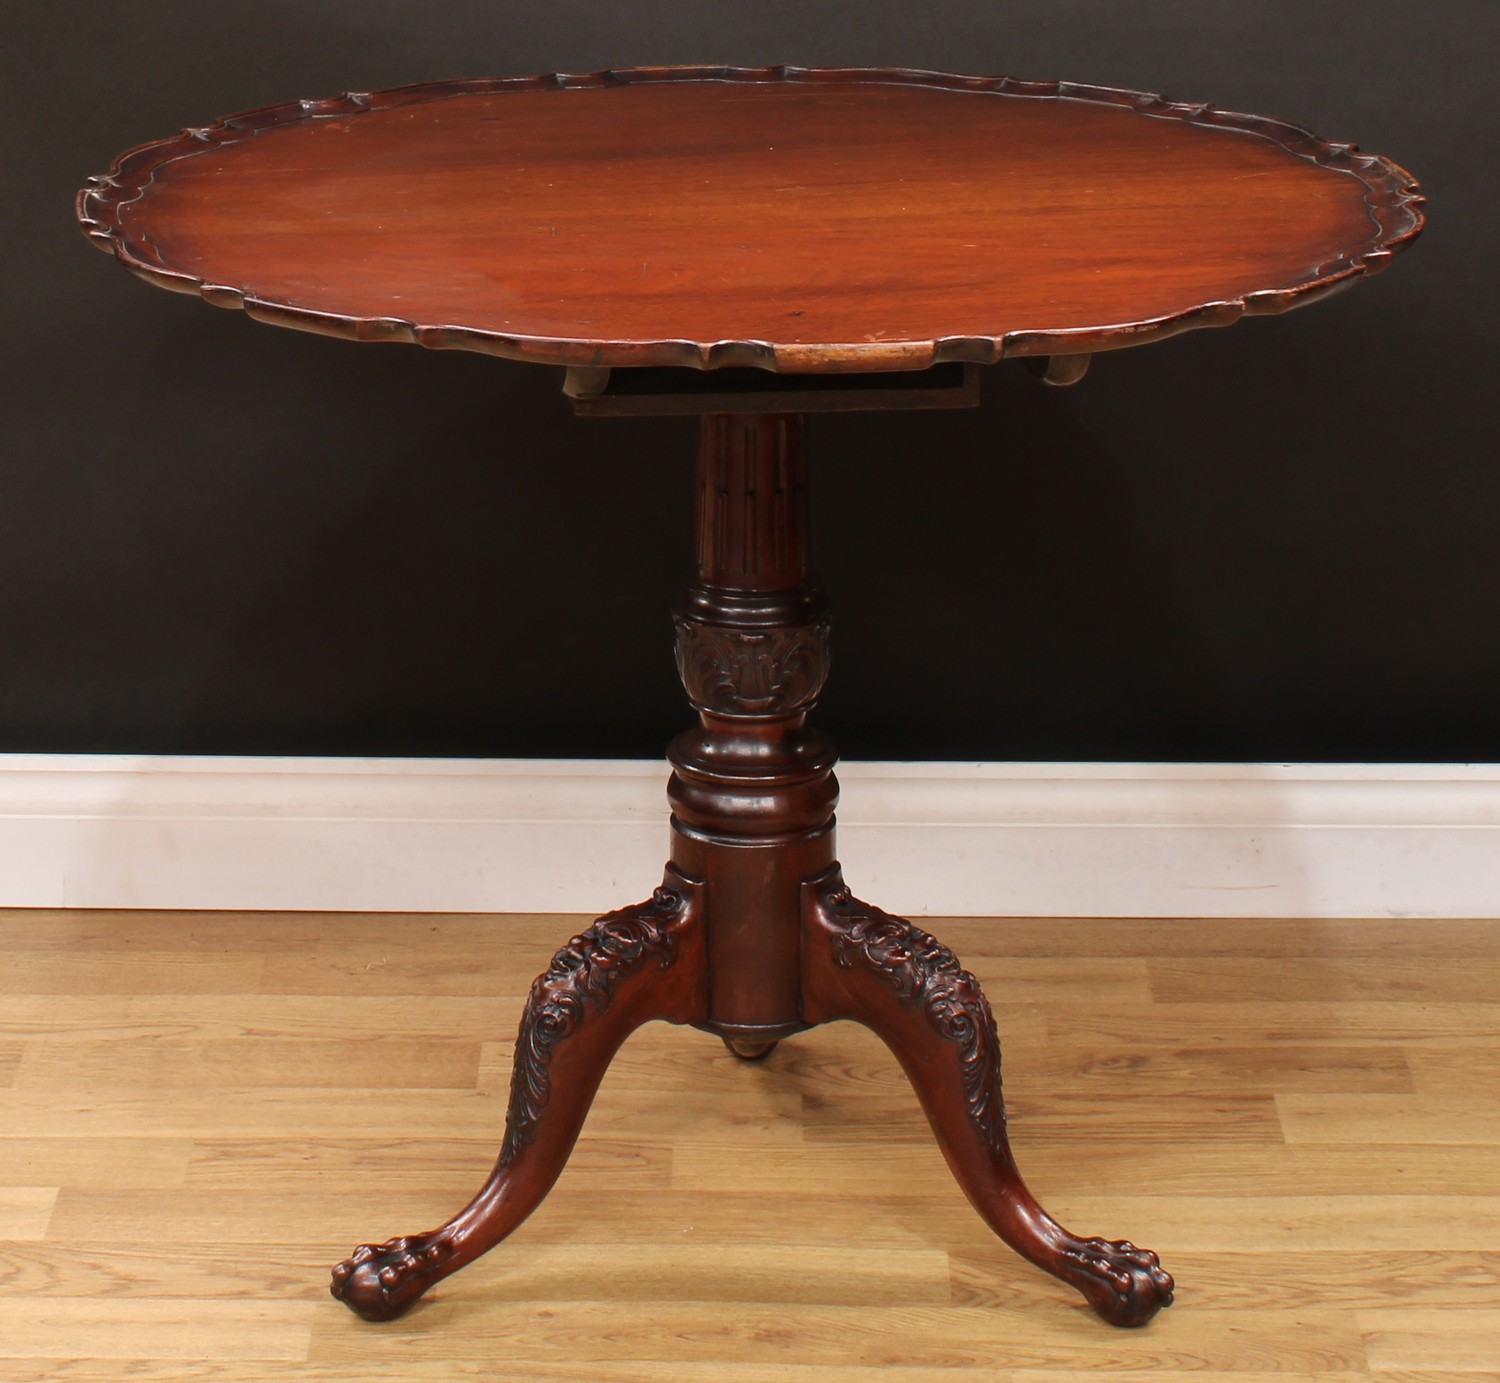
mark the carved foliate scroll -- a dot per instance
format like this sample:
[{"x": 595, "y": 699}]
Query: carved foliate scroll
[
  {"x": 752, "y": 672},
  {"x": 923, "y": 972},
  {"x": 581, "y": 981}
]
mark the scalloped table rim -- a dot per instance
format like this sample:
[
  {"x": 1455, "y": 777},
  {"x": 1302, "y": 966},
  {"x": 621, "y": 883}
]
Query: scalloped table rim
[{"x": 1392, "y": 195}]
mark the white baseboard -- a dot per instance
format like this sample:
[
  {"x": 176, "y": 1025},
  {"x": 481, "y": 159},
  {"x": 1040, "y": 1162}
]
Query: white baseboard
[{"x": 1056, "y": 839}]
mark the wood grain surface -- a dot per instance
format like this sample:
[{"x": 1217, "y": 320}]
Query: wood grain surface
[
  {"x": 793, "y": 219},
  {"x": 184, "y": 1148}
]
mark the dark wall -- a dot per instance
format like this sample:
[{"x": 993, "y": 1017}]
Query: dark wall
[{"x": 1275, "y": 542}]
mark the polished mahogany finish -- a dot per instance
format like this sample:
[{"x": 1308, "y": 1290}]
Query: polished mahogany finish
[
  {"x": 788, "y": 218},
  {"x": 753, "y": 935},
  {"x": 852, "y": 223}
]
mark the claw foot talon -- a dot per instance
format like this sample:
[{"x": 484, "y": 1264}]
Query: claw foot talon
[
  {"x": 1125, "y": 1285},
  {"x": 380, "y": 1281}
]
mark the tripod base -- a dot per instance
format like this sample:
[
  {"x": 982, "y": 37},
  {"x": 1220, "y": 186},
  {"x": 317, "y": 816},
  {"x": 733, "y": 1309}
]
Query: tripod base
[
  {"x": 648, "y": 962},
  {"x": 753, "y": 935}
]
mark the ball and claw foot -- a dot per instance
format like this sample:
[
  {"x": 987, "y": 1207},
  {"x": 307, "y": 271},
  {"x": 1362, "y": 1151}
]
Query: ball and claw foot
[
  {"x": 1125, "y": 1285},
  {"x": 380, "y": 1281}
]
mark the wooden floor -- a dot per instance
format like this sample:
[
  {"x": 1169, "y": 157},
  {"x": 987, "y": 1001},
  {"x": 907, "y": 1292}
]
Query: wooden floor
[{"x": 200, "y": 1112}]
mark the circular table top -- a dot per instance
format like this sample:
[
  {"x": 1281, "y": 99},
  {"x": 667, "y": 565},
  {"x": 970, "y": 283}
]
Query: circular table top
[{"x": 802, "y": 220}]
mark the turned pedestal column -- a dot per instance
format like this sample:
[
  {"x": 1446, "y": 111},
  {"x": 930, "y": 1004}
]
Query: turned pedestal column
[{"x": 752, "y": 789}]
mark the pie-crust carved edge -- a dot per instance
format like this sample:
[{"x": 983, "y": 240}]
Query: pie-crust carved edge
[{"x": 1392, "y": 195}]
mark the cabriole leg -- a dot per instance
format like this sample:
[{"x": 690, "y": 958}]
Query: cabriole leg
[
  {"x": 631, "y": 966},
  {"x": 863, "y": 964}
]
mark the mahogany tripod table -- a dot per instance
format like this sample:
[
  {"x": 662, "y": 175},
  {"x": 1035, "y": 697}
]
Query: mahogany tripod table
[{"x": 751, "y": 245}]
